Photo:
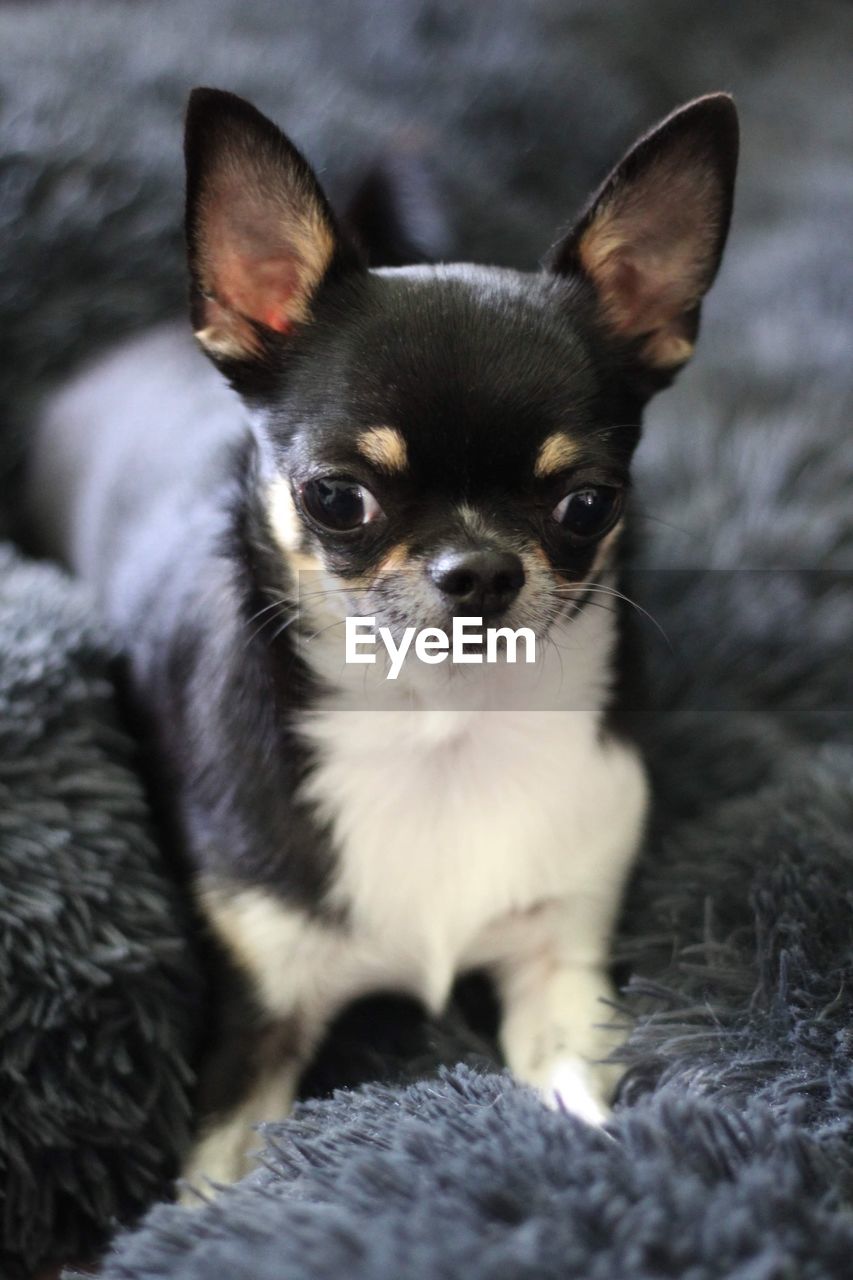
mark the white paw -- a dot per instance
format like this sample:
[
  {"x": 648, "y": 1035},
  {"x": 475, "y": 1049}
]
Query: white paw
[
  {"x": 223, "y": 1155},
  {"x": 572, "y": 1086},
  {"x": 227, "y": 1148}
]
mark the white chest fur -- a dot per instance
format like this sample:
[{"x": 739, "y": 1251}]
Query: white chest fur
[{"x": 448, "y": 822}]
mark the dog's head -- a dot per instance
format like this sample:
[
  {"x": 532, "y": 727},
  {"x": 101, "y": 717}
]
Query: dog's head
[{"x": 452, "y": 439}]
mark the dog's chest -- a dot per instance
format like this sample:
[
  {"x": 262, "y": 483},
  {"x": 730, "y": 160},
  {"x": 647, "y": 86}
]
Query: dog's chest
[{"x": 445, "y": 822}]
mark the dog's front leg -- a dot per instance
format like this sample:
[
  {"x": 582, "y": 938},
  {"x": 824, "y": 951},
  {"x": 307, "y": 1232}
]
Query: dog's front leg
[
  {"x": 271, "y": 1061},
  {"x": 292, "y": 983},
  {"x": 557, "y": 1026}
]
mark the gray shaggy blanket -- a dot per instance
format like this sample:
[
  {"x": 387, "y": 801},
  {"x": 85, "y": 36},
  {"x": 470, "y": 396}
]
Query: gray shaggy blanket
[
  {"x": 98, "y": 987},
  {"x": 730, "y": 1153}
]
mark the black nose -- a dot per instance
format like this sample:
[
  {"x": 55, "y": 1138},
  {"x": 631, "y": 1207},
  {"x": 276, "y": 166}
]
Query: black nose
[{"x": 478, "y": 582}]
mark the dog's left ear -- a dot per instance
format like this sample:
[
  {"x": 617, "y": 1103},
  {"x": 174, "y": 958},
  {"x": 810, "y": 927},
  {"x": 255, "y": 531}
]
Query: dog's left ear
[
  {"x": 261, "y": 236},
  {"x": 651, "y": 239}
]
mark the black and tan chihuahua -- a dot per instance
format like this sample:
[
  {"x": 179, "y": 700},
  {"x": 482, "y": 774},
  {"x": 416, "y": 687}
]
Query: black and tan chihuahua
[{"x": 414, "y": 445}]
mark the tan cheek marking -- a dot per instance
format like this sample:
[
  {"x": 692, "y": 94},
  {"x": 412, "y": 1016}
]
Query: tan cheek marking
[
  {"x": 384, "y": 447},
  {"x": 542, "y": 555},
  {"x": 557, "y": 452},
  {"x": 396, "y": 559}
]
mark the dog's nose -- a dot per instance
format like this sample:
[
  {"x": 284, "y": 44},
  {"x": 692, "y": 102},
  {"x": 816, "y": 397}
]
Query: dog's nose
[{"x": 478, "y": 582}]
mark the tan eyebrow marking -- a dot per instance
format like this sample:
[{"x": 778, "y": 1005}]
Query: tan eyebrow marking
[
  {"x": 384, "y": 447},
  {"x": 557, "y": 452}
]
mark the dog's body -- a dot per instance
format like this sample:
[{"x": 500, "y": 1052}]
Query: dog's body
[{"x": 428, "y": 443}]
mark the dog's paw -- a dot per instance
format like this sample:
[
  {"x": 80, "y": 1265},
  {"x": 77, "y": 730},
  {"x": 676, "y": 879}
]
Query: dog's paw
[
  {"x": 569, "y": 1083},
  {"x": 227, "y": 1149},
  {"x": 223, "y": 1155},
  {"x": 572, "y": 1085}
]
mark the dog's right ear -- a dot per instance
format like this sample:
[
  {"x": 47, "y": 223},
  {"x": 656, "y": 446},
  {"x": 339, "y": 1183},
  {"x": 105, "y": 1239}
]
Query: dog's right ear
[{"x": 261, "y": 236}]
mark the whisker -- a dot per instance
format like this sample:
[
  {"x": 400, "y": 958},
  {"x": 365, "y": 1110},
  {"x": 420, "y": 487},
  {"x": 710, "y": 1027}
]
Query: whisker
[
  {"x": 601, "y": 589},
  {"x": 284, "y": 601},
  {"x": 593, "y": 604},
  {"x": 337, "y": 590},
  {"x": 323, "y": 630},
  {"x": 331, "y": 591},
  {"x": 273, "y": 605},
  {"x": 552, "y": 641},
  {"x": 288, "y": 622},
  {"x": 278, "y": 605}
]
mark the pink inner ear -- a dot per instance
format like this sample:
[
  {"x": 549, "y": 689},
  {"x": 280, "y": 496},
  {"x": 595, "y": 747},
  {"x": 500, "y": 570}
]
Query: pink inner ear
[{"x": 264, "y": 289}]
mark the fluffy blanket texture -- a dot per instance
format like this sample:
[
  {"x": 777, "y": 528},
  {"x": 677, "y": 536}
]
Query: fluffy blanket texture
[
  {"x": 97, "y": 983},
  {"x": 730, "y": 1153}
]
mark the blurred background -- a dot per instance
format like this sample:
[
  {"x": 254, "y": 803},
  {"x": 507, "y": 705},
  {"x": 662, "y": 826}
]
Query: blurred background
[{"x": 501, "y": 115}]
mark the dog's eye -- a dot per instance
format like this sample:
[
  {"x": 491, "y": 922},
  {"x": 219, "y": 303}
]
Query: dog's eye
[
  {"x": 588, "y": 513},
  {"x": 338, "y": 503}
]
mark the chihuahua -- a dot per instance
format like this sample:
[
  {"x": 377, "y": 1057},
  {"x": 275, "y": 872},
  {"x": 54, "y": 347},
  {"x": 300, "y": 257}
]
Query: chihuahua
[{"x": 410, "y": 446}]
